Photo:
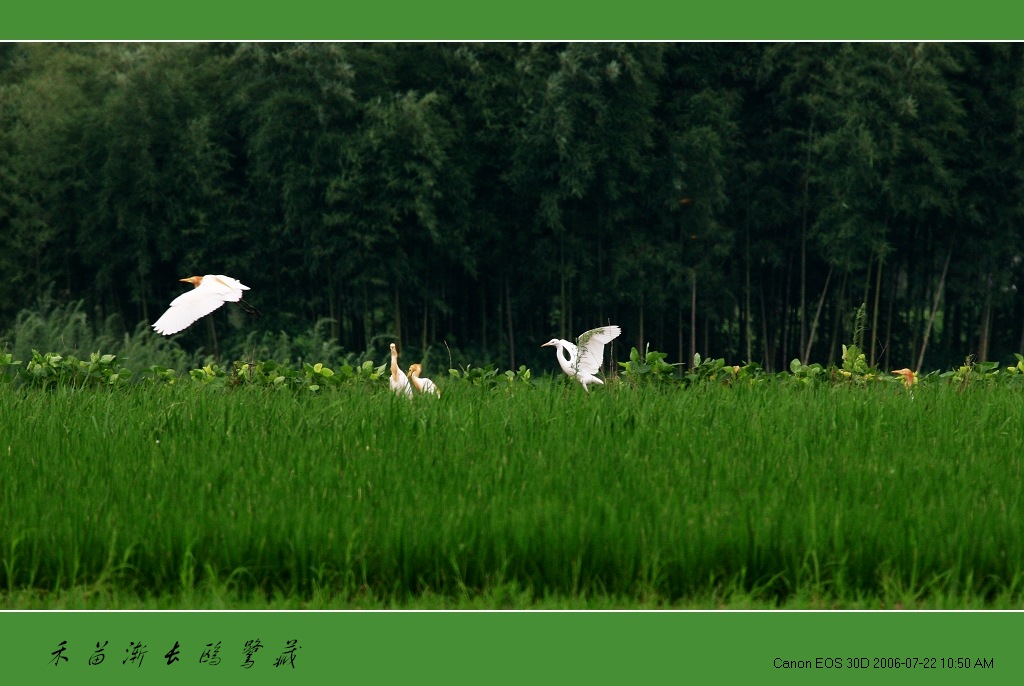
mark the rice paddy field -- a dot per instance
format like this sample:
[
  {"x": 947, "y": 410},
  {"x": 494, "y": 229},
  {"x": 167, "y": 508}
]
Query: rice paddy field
[{"x": 525, "y": 495}]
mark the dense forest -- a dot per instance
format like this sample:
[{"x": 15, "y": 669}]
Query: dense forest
[{"x": 740, "y": 200}]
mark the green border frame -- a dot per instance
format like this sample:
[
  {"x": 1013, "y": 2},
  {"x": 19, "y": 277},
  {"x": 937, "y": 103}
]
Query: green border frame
[
  {"x": 924, "y": 647},
  {"x": 518, "y": 647},
  {"x": 522, "y": 20}
]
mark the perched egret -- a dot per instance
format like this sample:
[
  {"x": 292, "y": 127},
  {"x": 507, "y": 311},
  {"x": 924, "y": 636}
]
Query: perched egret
[
  {"x": 210, "y": 292},
  {"x": 582, "y": 360},
  {"x": 422, "y": 385},
  {"x": 399, "y": 381}
]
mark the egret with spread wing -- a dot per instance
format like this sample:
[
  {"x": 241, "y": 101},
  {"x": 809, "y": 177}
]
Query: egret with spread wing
[
  {"x": 583, "y": 360},
  {"x": 210, "y": 292}
]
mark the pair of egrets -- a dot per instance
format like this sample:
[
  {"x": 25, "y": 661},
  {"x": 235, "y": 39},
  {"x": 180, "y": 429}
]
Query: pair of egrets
[
  {"x": 580, "y": 361},
  {"x": 403, "y": 384}
]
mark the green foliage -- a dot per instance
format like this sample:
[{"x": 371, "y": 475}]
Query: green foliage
[
  {"x": 486, "y": 377},
  {"x": 1017, "y": 370},
  {"x": 972, "y": 372},
  {"x": 68, "y": 326},
  {"x": 521, "y": 375},
  {"x": 50, "y": 369},
  {"x": 367, "y": 372},
  {"x": 210, "y": 375},
  {"x": 267, "y": 373},
  {"x": 316, "y": 374},
  {"x": 806, "y": 373},
  {"x": 710, "y": 371},
  {"x": 8, "y": 367},
  {"x": 650, "y": 367},
  {"x": 854, "y": 360},
  {"x": 157, "y": 374}
]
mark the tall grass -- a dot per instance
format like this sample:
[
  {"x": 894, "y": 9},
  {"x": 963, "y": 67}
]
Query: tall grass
[{"x": 659, "y": 495}]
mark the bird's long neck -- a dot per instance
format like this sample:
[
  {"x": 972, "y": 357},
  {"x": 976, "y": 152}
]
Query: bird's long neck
[
  {"x": 395, "y": 369},
  {"x": 414, "y": 376},
  {"x": 565, "y": 360}
]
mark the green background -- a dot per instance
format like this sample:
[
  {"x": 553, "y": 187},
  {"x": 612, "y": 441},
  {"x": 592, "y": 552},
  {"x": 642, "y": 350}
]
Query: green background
[
  {"x": 521, "y": 20},
  {"x": 514, "y": 647}
]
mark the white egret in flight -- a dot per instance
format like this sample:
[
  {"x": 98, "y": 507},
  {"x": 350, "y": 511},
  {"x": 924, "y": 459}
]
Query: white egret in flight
[
  {"x": 582, "y": 360},
  {"x": 210, "y": 292},
  {"x": 422, "y": 385},
  {"x": 399, "y": 381}
]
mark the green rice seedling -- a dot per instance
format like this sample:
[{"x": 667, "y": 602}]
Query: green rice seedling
[{"x": 763, "y": 493}]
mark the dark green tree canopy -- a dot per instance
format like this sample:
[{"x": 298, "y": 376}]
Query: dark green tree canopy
[{"x": 737, "y": 200}]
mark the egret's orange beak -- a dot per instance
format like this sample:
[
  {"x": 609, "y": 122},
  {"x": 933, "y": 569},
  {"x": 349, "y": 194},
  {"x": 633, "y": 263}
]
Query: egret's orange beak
[{"x": 194, "y": 280}]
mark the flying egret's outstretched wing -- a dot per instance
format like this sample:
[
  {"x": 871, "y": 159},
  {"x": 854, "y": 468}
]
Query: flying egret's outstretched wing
[
  {"x": 212, "y": 292},
  {"x": 591, "y": 348}
]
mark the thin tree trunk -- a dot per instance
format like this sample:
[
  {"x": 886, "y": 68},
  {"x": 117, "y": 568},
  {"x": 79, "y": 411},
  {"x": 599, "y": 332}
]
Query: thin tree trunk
[
  {"x": 986, "y": 323},
  {"x": 483, "y": 319},
  {"x": 707, "y": 343},
  {"x": 914, "y": 309},
  {"x": 935, "y": 309},
  {"x": 144, "y": 290},
  {"x": 893, "y": 289},
  {"x": 817, "y": 316},
  {"x": 570, "y": 316},
  {"x": 398, "y": 317},
  {"x": 838, "y": 323},
  {"x": 508, "y": 317},
  {"x": 332, "y": 311},
  {"x": 767, "y": 343},
  {"x": 564, "y": 304},
  {"x": 367, "y": 322},
  {"x": 803, "y": 242},
  {"x": 423, "y": 340},
  {"x": 679, "y": 329},
  {"x": 803, "y": 289},
  {"x": 867, "y": 283},
  {"x": 750, "y": 315},
  {"x": 640, "y": 342},
  {"x": 693, "y": 315},
  {"x": 786, "y": 316},
  {"x": 1020, "y": 342},
  {"x": 874, "y": 314}
]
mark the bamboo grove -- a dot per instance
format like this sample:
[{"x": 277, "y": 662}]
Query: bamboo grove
[{"x": 729, "y": 199}]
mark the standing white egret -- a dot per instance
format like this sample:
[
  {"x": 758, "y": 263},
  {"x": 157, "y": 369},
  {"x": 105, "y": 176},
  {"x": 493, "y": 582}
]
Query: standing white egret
[
  {"x": 582, "y": 360},
  {"x": 399, "y": 381},
  {"x": 422, "y": 385},
  {"x": 210, "y": 292}
]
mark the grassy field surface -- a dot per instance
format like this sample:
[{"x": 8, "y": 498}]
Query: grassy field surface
[{"x": 531, "y": 496}]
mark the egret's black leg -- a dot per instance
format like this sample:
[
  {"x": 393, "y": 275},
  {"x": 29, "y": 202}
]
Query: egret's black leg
[{"x": 249, "y": 309}]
